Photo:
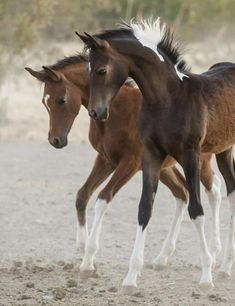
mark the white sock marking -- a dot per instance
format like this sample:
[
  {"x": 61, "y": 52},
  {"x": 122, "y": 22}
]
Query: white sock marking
[
  {"x": 206, "y": 258},
  {"x": 168, "y": 247},
  {"x": 137, "y": 258},
  {"x": 214, "y": 197},
  {"x": 229, "y": 254},
  {"x": 82, "y": 235},
  {"x": 93, "y": 239}
]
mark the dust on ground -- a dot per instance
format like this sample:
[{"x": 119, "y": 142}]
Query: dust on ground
[{"x": 39, "y": 263}]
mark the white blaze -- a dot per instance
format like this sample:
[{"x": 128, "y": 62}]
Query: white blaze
[{"x": 45, "y": 99}]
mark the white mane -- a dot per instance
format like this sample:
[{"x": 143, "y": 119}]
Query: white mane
[{"x": 149, "y": 33}]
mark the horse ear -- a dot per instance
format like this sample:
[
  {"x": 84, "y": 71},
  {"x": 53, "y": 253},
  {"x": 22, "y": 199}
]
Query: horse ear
[
  {"x": 97, "y": 43},
  {"x": 40, "y": 75},
  {"x": 52, "y": 74},
  {"x": 93, "y": 42},
  {"x": 84, "y": 38}
]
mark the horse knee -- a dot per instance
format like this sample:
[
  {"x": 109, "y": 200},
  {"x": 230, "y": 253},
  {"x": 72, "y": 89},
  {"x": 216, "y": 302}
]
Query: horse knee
[
  {"x": 181, "y": 193},
  {"x": 106, "y": 195},
  {"x": 144, "y": 215},
  {"x": 81, "y": 204},
  {"x": 195, "y": 210}
]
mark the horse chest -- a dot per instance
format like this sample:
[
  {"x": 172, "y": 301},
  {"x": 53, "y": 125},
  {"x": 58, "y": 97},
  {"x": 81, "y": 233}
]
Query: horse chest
[
  {"x": 160, "y": 128},
  {"x": 111, "y": 143},
  {"x": 172, "y": 133}
]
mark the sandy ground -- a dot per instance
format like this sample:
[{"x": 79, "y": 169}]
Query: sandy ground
[{"x": 39, "y": 263}]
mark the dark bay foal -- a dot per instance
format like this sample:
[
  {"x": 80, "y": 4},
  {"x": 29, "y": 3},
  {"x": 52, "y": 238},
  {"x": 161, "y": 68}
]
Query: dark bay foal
[
  {"x": 119, "y": 149},
  {"x": 182, "y": 115}
]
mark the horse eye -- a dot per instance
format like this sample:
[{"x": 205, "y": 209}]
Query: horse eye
[
  {"x": 61, "y": 101},
  {"x": 101, "y": 71}
]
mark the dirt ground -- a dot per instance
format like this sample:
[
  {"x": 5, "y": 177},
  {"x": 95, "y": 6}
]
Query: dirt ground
[{"x": 39, "y": 263}]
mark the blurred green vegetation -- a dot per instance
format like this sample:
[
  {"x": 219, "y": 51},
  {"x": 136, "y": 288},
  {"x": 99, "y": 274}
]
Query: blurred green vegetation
[
  {"x": 27, "y": 25},
  {"x": 24, "y": 24}
]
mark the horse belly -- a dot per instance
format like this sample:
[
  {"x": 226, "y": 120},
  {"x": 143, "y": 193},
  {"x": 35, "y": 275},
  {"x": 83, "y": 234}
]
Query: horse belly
[{"x": 220, "y": 138}]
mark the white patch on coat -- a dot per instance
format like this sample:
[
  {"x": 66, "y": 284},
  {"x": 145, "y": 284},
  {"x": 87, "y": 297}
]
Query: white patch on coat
[
  {"x": 131, "y": 82},
  {"x": 89, "y": 67},
  {"x": 149, "y": 33},
  {"x": 181, "y": 75}
]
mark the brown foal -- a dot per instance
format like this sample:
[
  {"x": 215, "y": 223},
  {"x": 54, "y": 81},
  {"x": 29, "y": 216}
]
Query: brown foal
[{"x": 119, "y": 152}]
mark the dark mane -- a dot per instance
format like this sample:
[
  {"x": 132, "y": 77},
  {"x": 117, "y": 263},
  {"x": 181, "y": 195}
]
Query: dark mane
[
  {"x": 173, "y": 50},
  {"x": 116, "y": 33},
  {"x": 167, "y": 46},
  {"x": 70, "y": 60}
]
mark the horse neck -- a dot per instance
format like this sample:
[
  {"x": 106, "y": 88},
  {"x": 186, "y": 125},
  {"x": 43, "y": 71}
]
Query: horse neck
[
  {"x": 78, "y": 75},
  {"x": 154, "y": 77}
]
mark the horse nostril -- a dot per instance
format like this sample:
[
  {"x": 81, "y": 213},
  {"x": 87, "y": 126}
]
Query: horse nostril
[
  {"x": 93, "y": 114},
  {"x": 56, "y": 142}
]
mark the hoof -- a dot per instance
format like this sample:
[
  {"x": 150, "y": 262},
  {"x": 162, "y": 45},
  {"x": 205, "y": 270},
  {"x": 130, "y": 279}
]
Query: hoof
[
  {"x": 160, "y": 264},
  {"x": 206, "y": 286},
  {"x": 86, "y": 274},
  {"x": 129, "y": 290},
  {"x": 223, "y": 274}
]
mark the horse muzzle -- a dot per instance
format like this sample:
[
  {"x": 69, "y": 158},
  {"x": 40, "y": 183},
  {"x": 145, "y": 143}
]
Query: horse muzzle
[
  {"x": 99, "y": 114},
  {"x": 58, "y": 142}
]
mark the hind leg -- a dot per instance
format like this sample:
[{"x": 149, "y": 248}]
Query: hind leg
[
  {"x": 174, "y": 180},
  {"x": 212, "y": 186},
  {"x": 190, "y": 163},
  {"x": 225, "y": 162}
]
